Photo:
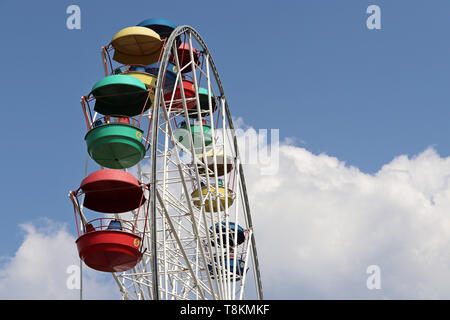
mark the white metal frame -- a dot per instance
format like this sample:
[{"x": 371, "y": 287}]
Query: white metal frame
[{"x": 179, "y": 236}]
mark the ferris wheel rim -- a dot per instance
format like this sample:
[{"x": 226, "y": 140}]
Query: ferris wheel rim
[{"x": 154, "y": 113}]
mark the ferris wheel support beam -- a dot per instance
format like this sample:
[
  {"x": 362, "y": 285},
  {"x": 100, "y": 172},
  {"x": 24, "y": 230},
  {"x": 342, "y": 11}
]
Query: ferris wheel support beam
[
  {"x": 200, "y": 118},
  {"x": 216, "y": 178},
  {"x": 249, "y": 244},
  {"x": 235, "y": 234},
  {"x": 227, "y": 230},
  {"x": 153, "y": 174},
  {"x": 166, "y": 214},
  {"x": 121, "y": 287},
  {"x": 220, "y": 278},
  {"x": 242, "y": 179},
  {"x": 163, "y": 223},
  {"x": 191, "y": 142},
  {"x": 246, "y": 202},
  {"x": 183, "y": 182},
  {"x": 225, "y": 277},
  {"x": 184, "y": 186}
]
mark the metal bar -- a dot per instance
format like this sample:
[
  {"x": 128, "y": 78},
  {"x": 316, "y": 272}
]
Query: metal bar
[{"x": 169, "y": 221}]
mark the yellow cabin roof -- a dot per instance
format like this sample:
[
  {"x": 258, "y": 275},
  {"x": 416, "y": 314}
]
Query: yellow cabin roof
[{"x": 136, "y": 45}]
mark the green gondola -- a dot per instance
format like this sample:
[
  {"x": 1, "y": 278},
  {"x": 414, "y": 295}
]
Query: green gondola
[
  {"x": 115, "y": 145},
  {"x": 120, "y": 94}
]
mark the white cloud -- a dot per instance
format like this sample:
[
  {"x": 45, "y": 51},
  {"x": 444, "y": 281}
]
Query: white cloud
[
  {"x": 319, "y": 224},
  {"x": 38, "y": 270}
]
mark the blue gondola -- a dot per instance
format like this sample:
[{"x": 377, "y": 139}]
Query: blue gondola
[
  {"x": 170, "y": 77},
  {"x": 231, "y": 228},
  {"x": 171, "y": 74},
  {"x": 161, "y": 26},
  {"x": 239, "y": 268}
]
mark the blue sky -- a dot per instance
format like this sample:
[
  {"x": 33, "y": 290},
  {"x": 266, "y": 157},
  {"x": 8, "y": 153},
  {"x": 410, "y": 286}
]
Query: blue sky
[{"x": 309, "y": 68}]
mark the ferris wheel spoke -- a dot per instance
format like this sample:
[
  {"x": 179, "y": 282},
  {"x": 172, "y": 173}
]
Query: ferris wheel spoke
[
  {"x": 190, "y": 209},
  {"x": 179, "y": 243}
]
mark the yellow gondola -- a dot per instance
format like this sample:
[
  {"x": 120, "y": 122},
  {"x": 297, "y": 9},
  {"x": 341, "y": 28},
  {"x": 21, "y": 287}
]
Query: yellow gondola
[
  {"x": 136, "y": 45},
  {"x": 212, "y": 207},
  {"x": 148, "y": 79}
]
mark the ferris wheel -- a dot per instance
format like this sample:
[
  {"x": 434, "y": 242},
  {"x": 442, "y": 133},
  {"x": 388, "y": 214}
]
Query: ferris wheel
[{"x": 175, "y": 219}]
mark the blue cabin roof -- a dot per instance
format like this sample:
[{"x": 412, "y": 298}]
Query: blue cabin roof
[
  {"x": 231, "y": 225},
  {"x": 115, "y": 225},
  {"x": 170, "y": 77},
  {"x": 161, "y": 26}
]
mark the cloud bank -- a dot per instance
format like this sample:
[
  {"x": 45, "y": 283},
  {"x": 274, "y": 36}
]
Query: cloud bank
[
  {"x": 39, "y": 269},
  {"x": 319, "y": 224}
]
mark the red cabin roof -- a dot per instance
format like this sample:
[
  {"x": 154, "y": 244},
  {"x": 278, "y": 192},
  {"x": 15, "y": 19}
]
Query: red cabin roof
[
  {"x": 184, "y": 56},
  {"x": 112, "y": 191}
]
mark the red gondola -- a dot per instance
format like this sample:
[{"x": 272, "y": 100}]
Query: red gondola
[
  {"x": 109, "y": 247},
  {"x": 184, "y": 57},
  {"x": 177, "y": 103},
  {"x": 112, "y": 191},
  {"x": 108, "y": 244}
]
